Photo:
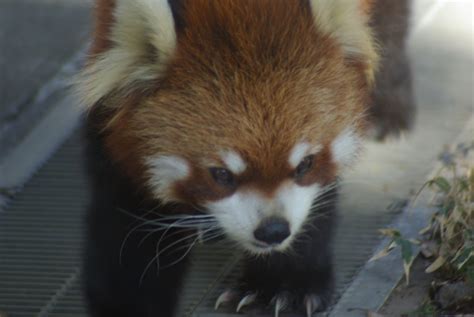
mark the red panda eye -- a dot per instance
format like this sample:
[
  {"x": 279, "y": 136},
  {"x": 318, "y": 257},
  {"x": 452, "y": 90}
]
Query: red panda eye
[
  {"x": 222, "y": 176},
  {"x": 304, "y": 166}
]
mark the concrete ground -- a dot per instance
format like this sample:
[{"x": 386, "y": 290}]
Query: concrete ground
[{"x": 37, "y": 37}]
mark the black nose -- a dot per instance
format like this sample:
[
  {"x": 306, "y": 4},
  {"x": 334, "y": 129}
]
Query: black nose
[{"x": 272, "y": 231}]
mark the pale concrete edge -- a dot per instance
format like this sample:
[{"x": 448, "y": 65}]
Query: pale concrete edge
[
  {"x": 376, "y": 280},
  {"x": 46, "y": 135}
]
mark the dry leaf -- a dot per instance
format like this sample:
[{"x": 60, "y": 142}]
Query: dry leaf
[
  {"x": 389, "y": 232},
  {"x": 449, "y": 230},
  {"x": 381, "y": 254},
  {"x": 406, "y": 268},
  {"x": 436, "y": 264},
  {"x": 384, "y": 252},
  {"x": 425, "y": 229}
]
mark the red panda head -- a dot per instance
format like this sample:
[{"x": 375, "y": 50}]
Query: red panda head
[{"x": 246, "y": 108}]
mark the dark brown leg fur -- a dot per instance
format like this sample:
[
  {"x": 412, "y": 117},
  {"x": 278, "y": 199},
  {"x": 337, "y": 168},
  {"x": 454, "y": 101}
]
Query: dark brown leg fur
[{"x": 393, "y": 109}]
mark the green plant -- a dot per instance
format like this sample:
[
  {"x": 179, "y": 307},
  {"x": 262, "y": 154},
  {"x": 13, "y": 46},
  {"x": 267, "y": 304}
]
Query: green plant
[
  {"x": 396, "y": 239},
  {"x": 449, "y": 238},
  {"x": 452, "y": 226}
]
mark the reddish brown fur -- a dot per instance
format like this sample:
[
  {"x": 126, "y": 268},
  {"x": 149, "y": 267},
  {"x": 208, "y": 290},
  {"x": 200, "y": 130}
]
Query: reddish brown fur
[
  {"x": 324, "y": 169},
  {"x": 104, "y": 20},
  {"x": 123, "y": 147},
  {"x": 255, "y": 77},
  {"x": 367, "y": 6}
]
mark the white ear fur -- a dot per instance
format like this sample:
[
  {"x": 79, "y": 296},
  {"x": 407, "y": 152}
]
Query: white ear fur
[
  {"x": 345, "y": 148},
  {"x": 345, "y": 21},
  {"x": 139, "y": 25}
]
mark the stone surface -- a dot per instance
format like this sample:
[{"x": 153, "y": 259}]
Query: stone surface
[
  {"x": 406, "y": 299},
  {"x": 451, "y": 294},
  {"x": 37, "y": 37}
]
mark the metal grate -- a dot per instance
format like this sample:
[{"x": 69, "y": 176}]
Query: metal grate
[
  {"x": 40, "y": 234},
  {"x": 40, "y": 247}
]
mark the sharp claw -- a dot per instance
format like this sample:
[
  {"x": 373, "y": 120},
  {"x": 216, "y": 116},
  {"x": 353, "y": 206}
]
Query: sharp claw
[
  {"x": 247, "y": 300},
  {"x": 309, "y": 309},
  {"x": 281, "y": 303},
  {"x": 312, "y": 302},
  {"x": 277, "y": 309},
  {"x": 226, "y": 296}
]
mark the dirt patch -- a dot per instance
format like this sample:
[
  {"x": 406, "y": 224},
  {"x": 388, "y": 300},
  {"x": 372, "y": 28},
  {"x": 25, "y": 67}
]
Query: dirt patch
[
  {"x": 424, "y": 296},
  {"x": 404, "y": 300}
]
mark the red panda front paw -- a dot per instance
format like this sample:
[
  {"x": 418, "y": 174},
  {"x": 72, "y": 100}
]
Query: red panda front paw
[
  {"x": 234, "y": 296},
  {"x": 284, "y": 301},
  {"x": 281, "y": 302}
]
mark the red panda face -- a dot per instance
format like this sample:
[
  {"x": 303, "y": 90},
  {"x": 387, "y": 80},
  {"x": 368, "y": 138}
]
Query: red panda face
[
  {"x": 243, "y": 198},
  {"x": 250, "y": 110}
]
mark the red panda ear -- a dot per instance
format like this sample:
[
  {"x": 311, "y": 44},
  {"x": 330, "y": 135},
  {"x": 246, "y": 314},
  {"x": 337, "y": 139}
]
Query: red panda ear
[
  {"x": 139, "y": 43},
  {"x": 347, "y": 22}
]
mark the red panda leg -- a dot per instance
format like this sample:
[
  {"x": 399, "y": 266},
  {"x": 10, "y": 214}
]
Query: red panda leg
[
  {"x": 393, "y": 109},
  {"x": 120, "y": 272}
]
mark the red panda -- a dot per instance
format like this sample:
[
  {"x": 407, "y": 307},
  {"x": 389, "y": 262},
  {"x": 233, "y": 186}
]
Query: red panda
[{"x": 233, "y": 115}]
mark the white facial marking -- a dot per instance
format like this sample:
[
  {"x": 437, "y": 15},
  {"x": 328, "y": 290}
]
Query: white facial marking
[
  {"x": 297, "y": 201},
  {"x": 234, "y": 162},
  {"x": 300, "y": 151},
  {"x": 241, "y": 214},
  {"x": 345, "y": 147},
  {"x": 164, "y": 171}
]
